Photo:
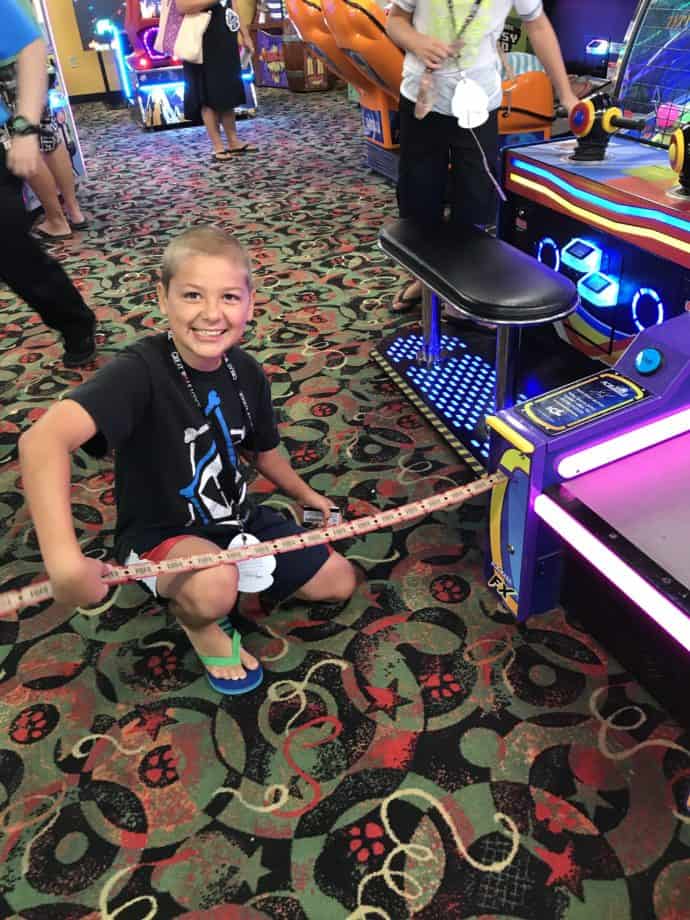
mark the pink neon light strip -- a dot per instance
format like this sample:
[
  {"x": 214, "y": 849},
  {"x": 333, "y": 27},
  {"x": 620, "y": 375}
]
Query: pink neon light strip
[
  {"x": 622, "y": 445},
  {"x": 659, "y": 608}
]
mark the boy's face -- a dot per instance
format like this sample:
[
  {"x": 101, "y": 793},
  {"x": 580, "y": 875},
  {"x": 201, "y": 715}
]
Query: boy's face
[{"x": 208, "y": 305}]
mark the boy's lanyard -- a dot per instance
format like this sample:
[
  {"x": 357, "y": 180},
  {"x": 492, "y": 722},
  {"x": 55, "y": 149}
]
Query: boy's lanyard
[
  {"x": 216, "y": 416},
  {"x": 469, "y": 19}
]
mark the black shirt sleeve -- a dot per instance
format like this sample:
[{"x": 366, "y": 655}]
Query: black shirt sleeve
[{"x": 116, "y": 398}]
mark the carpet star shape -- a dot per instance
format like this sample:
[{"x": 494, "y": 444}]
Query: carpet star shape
[
  {"x": 152, "y": 719},
  {"x": 251, "y": 871},
  {"x": 564, "y": 870},
  {"x": 385, "y": 699},
  {"x": 590, "y": 799}
]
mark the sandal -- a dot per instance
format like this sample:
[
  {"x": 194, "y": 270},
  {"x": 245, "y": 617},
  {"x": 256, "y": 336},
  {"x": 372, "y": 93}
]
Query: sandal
[
  {"x": 224, "y": 685},
  {"x": 51, "y": 237},
  {"x": 243, "y": 148},
  {"x": 221, "y": 156},
  {"x": 406, "y": 303}
]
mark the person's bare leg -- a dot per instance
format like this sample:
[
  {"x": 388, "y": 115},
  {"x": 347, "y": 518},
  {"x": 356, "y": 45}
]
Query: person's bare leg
[
  {"x": 43, "y": 184},
  {"x": 199, "y": 600},
  {"x": 335, "y": 581},
  {"x": 210, "y": 119},
  {"x": 230, "y": 128},
  {"x": 60, "y": 165}
]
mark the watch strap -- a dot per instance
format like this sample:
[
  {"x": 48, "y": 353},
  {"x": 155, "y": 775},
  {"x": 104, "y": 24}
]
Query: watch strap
[{"x": 22, "y": 127}]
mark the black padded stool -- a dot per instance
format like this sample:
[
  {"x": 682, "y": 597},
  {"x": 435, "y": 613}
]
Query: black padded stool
[{"x": 483, "y": 278}]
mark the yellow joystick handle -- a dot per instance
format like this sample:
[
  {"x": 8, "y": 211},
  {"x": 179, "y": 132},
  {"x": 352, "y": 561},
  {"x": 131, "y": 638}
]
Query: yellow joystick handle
[
  {"x": 607, "y": 119},
  {"x": 676, "y": 150}
]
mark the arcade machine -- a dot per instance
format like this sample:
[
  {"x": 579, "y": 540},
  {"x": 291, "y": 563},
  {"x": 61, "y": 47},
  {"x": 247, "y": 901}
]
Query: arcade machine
[
  {"x": 154, "y": 83},
  {"x": 282, "y": 60},
  {"x": 157, "y": 79},
  {"x": 606, "y": 208},
  {"x": 359, "y": 30},
  {"x": 602, "y": 222},
  {"x": 580, "y": 462},
  {"x": 376, "y": 106}
]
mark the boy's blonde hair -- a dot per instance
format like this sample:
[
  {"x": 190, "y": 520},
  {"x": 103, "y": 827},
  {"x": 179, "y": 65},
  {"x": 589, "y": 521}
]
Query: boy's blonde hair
[{"x": 203, "y": 241}]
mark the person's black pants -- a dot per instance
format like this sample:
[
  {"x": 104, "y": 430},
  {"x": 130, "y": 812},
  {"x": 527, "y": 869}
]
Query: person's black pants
[
  {"x": 427, "y": 147},
  {"x": 32, "y": 273}
]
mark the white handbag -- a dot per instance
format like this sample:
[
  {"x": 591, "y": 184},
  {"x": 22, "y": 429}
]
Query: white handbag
[
  {"x": 189, "y": 44},
  {"x": 181, "y": 35}
]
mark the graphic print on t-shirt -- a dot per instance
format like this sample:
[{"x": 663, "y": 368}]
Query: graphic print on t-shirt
[
  {"x": 448, "y": 17},
  {"x": 206, "y": 499}
]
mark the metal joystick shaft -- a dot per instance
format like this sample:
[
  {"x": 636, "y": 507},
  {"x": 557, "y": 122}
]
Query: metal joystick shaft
[{"x": 593, "y": 121}]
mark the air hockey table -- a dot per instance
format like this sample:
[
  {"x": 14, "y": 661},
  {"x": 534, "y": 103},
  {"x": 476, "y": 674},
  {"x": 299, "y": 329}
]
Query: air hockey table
[
  {"x": 619, "y": 228},
  {"x": 602, "y": 465}
]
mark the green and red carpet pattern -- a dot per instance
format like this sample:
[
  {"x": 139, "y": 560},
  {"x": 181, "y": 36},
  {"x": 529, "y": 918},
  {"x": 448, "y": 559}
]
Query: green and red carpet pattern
[{"x": 411, "y": 753}]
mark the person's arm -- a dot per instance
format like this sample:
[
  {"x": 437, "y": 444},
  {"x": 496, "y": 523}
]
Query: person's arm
[
  {"x": 275, "y": 466},
  {"x": 44, "y": 454},
  {"x": 32, "y": 86},
  {"x": 246, "y": 37},
  {"x": 545, "y": 43},
  {"x": 431, "y": 52}
]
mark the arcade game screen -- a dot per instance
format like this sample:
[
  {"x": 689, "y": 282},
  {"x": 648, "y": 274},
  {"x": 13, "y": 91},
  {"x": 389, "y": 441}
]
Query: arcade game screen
[
  {"x": 586, "y": 29},
  {"x": 88, "y": 12},
  {"x": 654, "y": 79}
]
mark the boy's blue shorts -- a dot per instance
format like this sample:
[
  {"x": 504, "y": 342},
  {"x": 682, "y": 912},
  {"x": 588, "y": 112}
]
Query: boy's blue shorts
[{"x": 293, "y": 569}]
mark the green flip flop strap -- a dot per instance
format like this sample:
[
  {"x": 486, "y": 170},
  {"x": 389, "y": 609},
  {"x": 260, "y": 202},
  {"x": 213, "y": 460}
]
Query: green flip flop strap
[{"x": 229, "y": 661}]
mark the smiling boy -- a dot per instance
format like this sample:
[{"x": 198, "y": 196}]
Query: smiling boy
[{"x": 182, "y": 410}]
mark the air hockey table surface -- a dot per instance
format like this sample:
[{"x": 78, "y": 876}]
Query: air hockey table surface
[{"x": 641, "y": 505}]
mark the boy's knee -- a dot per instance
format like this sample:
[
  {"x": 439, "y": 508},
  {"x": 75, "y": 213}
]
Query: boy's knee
[
  {"x": 211, "y": 594},
  {"x": 342, "y": 578}
]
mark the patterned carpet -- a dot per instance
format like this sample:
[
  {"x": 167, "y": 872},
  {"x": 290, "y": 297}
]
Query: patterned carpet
[{"x": 411, "y": 754}]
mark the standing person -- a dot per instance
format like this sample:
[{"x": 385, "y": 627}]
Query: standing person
[
  {"x": 214, "y": 88},
  {"x": 184, "y": 412},
  {"x": 24, "y": 266},
  {"x": 444, "y": 40},
  {"x": 54, "y": 176}
]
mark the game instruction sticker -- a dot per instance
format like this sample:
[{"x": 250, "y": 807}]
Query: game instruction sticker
[{"x": 581, "y": 402}]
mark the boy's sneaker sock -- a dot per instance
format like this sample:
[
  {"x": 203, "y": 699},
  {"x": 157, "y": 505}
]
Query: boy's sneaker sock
[{"x": 79, "y": 351}]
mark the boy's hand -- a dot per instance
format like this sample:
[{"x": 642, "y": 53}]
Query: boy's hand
[
  {"x": 430, "y": 51},
  {"x": 569, "y": 101},
  {"x": 80, "y": 583},
  {"x": 320, "y": 503}
]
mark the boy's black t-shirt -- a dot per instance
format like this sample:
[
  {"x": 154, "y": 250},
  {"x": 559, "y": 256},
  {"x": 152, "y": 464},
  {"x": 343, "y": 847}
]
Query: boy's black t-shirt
[{"x": 170, "y": 476}]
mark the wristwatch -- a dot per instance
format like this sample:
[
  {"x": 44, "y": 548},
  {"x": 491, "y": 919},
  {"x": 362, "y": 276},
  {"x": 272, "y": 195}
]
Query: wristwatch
[{"x": 21, "y": 127}]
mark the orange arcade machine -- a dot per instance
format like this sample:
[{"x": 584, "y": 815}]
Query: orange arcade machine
[
  {"x": 359, "y": 29},
  {"x": 379, "y": 107}
]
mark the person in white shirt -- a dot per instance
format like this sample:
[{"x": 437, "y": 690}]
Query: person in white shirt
[{"x": 445, "y": 40}]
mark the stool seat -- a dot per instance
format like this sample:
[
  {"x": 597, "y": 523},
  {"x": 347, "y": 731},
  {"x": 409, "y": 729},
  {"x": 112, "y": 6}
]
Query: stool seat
[{"x": 484, "y": 278}]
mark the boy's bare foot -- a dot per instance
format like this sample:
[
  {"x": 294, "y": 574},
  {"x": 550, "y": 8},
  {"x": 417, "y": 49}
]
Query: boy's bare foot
[{"x": 211, "y": 641}]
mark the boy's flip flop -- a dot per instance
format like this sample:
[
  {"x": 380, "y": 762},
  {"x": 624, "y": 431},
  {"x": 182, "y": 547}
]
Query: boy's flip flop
[{"x": 249, "y": 682}]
